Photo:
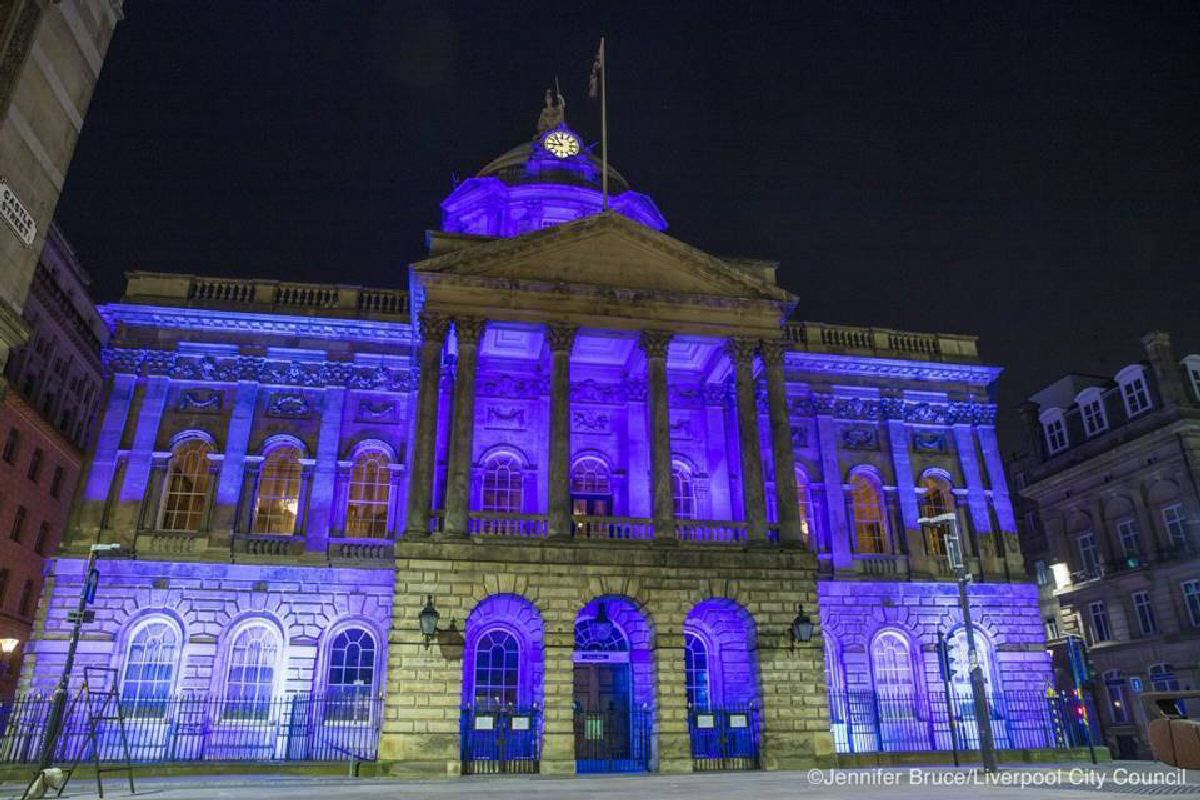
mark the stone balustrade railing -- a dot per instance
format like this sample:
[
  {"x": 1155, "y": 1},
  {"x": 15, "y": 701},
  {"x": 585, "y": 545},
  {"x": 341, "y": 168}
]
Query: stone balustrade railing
[
  {"x": 880, "y": 564},
  {"x": 487, "y": 523},
  {"x": 819, "y": 337},
  {"x": 711, "y": 531},
  {"x": 266, "y": 544},
  {"x": 630, "y": 528},
  {"x": 170, "y": 542},
  {"x": 361, "y": 550},
  {"x": 266, "y": 295}
]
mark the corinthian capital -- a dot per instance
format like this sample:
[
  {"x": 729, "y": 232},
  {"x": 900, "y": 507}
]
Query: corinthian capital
[
  {"x": 469, "y": 329},
  {"x": 773, "y": 351},
  {"x": 654, "y": 343},
  {"x": 741, "y": 350},
  {"x": 561, "y": 336},
  {"x": 434, "y": 326}
]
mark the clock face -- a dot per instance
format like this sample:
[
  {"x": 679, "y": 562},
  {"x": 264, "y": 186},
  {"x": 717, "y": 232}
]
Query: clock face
[{"x": 561, "y": 144}]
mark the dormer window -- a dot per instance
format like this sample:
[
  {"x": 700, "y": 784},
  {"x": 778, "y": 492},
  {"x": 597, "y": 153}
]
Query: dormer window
[
  {"x": 1191, "y": 365},
  {"x": 1134, "y": 391},
  {"x": 1055, "y": 429},
  {"x": 1091, "y": 409}
]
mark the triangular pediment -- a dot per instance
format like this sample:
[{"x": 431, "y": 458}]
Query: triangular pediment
[{"x": 604, "y": 250}]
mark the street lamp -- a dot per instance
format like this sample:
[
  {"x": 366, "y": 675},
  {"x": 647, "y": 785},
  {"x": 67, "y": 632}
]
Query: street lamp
[
  {"x": 428, "y": 618},
  {"x": 7, "y": 648},
  {"x": 987, "y": 746},
  {"x": 802, "y": 627}
]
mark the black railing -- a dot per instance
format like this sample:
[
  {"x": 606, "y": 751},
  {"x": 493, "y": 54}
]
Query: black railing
[
  {"x": 612, "y": 740},
  {"x": 500, "y": 740},
  {"x": 871, "y": 721},
  {"x": 295, "y": 727},
  {"x": 724, "y": 738}
]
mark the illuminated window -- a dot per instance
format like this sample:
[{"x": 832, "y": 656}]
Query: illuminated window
[
  {"x": 278, "y": 501},
  {"x": 938, "y": 499},
  {"x": 695, "y": 671},
  {"x": 1118, "y": 703},
  {"x": 497, "y": 669},
  {"x": 1144, "y": 609},
  {"x": 149, "y": 672},
  {"x": 1134, "y": 391},
  {"x": 370, "y": 495},
  {"x": 869, "y": 529},
  {"x": 891, "y": 665},
  {"x": 187, "y": 486},
  {"x": 589, "y": 475},
  {"x": 503, "y": 485},
  {"x": 1163, "y": 678},
  {"x": 250, "y": 682},
  {"x": 1089, "y": 555},
  {"x": 683, "y": 491},
  {"x": 350, "y": 683},
  {"x": 1098, "y": 612},
  {"x": 804, "y": 504}
]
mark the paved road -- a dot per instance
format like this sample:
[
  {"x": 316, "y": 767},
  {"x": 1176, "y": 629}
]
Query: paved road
[{"x": 1122, "y": 780}]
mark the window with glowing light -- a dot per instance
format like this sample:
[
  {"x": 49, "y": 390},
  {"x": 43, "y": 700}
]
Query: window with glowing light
[
  {"x": 804, "y": 506},
  {"x": 938, "y": 499},
  {"x": 695, "y": 671},
  {"x": 370, "y": 495},
  {"x": 502, "y": 485},
  {"x": 149, "y": 672},
  {"x": 350, "y": 683},
  {"x": 683, "y": 491},
  {"x": 188, "y": 483},
  {"x": 278, "y": 502},
  {"x": 250, "y": 681},
  {"x": 891, "y": 666},
  {"x": 870, "y": 532},
  {"x": 1118, "y": 702}
]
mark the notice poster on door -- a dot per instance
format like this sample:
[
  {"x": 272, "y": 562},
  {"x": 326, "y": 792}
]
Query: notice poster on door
[
  {"x": 520, "y": 723},
  {"x": 485, "y": 723},
  {"x": 738, "y": 721},
  {"x": 705, "y": 721}
]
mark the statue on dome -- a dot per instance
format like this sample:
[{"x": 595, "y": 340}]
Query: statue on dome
[{"x": 554, "y": 113}]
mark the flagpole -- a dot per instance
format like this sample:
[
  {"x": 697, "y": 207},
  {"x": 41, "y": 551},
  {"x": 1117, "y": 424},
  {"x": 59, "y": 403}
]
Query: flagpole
[{"x": 603, "y": 126}]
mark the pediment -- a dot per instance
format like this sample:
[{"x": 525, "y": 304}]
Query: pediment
[{"x": 604, "y": 250}]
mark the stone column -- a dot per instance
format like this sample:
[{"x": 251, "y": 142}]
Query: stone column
[
  {"x": 420, "y": 478},
  {"x": 994, "y": 462},
  {"x": 229, "y": 481},
  {"x": 976, "y": 495},
  {"x": 899, "y": 440},
  {"x": 741, "y": 352},
  {"x": 306, "y": 481},
  {"x": 243, "y": 520},
  {"x": 102, "y": 467},
  {"x": 321, "y": 506},
  {"x": 654, "y": 344},
  {"x": 137, "y": 467},
  {"x": 561, "y": 339},
  {"x": 462, "y": 427},
  {"x": 840, "y": 521},
  {"x": 781, "y": 445}
]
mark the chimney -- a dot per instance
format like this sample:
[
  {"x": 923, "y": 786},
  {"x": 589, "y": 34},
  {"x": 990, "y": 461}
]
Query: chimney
[
  {"x": 1166, "y": 371},
  {"x": 1029, "y": 411}
]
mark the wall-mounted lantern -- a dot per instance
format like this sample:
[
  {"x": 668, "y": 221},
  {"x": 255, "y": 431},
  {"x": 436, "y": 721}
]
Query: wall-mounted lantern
[
  {"x": 802, "y": 627},
  {"x": 429, "y": 620},
  {"x": 602, "y": 624},
  {"x": 7, "y": 648}
]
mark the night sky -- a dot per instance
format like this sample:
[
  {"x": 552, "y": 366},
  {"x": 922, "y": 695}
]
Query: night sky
[{"x": 1028, "y": 172}]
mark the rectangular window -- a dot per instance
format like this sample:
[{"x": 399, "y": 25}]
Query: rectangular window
[
  {"x": 1118, "y": 705},
  {"x": 1145, "y": 613},
  {"x": 43, "y": 534},
  {"x": 1093, "y": 418},
  {"x": 1099, "y": 616},
  {"x": 1137, "y": 398},
  {"x": 1131, "y": 540},
  {"x": 56, "y": 482},
  {"x": 3, "y": 586},
  {"x": 1172, "y": 517},
  {"x": 1194, "y": 372},
  {"x": 18, "y": 524},
  {"x": 1162, "y": 678},
  {"x": 1056, "y": 436},
  {"x": 25, "y": 606},
  {"x": 1052, "y": 631},
  {"x": 1191, "y": 599},
  {"x": 35, "y": 465},
  {"x": 1043, "y": 572},
  {"x": 10, "y": 445},
  {"x": 1089, "y": 556}
]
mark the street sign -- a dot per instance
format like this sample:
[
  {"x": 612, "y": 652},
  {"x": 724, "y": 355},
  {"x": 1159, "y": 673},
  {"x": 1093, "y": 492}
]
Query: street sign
[
  {"x": 81, "y": 616},
  {"x": 89, "y": 585}
]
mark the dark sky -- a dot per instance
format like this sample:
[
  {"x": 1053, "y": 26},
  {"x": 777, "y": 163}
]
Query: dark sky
[{"x": 1029, "y": 172}]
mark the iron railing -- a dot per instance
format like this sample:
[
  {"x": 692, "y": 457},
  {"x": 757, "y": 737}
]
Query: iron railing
[
  {"x": 613, "y": 740},
  {"x": 200, "y": 727},
  {"x": 872, "y": 721},
  {"x": 500, "y": 739}
]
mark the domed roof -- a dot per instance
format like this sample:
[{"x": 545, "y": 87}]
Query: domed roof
[{"x": 527, "y": 163}]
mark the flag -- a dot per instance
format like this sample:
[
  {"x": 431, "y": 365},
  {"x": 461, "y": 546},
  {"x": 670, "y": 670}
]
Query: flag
[{"x": 597, "y": 68}]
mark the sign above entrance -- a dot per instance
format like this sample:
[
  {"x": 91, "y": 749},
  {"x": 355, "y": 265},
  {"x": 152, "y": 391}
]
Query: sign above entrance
[{"x": 601, "y": 657}]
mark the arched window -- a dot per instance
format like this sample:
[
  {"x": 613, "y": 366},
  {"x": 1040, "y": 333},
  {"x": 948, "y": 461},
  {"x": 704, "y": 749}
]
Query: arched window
[
  {"x": 804, "y": 504},
  {"x": 589, "y": 475},
  {"x": 891, "y": 665},
  {"x": 869, "y": 529},
  {"x": 960, "y": 661},
  {"x": 250, "y": 681},
  {"x": 502, "y": 485},
  {"x": 370, "y": 495},
  {"x": 187, "y": 486},
  {"x": 351, "y": 680},
  {"x": 278, "y": 501},
  {"x": 683, "y": 491},
  {"x": 695, "y": 671},
  {"x": 497, "y": 668},
  {"x": 938, "y": 499},
  {"x": 149, "y": 672}
]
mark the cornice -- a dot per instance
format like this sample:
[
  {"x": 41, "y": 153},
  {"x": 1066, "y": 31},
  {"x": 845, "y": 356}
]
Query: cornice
[
  {"x": 874, "y": 367},
  {"x": 271, "y": 324}
]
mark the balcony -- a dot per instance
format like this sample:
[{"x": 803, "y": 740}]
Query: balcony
[
  {"x": 818, "y": 337},
  {"x": 881, "y": 564}
]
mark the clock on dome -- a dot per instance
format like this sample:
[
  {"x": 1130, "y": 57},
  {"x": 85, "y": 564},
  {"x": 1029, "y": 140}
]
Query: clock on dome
[{"x": 561, "y": 143}]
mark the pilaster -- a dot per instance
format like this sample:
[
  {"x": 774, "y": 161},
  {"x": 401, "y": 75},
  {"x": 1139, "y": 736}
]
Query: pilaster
[
  {"x": 137, "y": 469},
  {"x": 462, "y": 426},
  {"x": 329, "y": 439},
  {"x": 835, "y": 495},
  {"x": 434, "y": 328},
  {"x": 102, "y": 468},
  {"x": 994, "y": 462},
  {"x": 741, "y": 352},
  {"x": 655, "y": 344},
  {"x": 906, "y": 491},
  {"x": 786, "y": 499},
  {"x": 976, "y": 494},
  {"x": 229, "y": 481},
  {"x": 561, "y": 339}
]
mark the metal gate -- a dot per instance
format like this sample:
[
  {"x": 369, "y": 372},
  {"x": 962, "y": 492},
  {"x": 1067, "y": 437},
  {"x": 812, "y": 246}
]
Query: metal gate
[
  {"x": 500, "y": 740},
  {"x": 724, "y": 738},
  {"x": 612, "y": 740}
]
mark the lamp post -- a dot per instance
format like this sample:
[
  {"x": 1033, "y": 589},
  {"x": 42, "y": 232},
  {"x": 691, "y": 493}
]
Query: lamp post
[
  {"x": 428, "y": 618},
  {"x": 983, "y": 721},
  {"x": 802, "y": 627},
  {"x": 58, "y": 701}
]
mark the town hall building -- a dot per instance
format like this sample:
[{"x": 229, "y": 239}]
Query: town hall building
[{"x": 564, "y": 498}]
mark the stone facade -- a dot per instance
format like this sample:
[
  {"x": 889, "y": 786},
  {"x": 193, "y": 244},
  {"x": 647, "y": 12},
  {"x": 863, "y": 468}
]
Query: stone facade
[
  {"x": 612, "y": 464},
  {"x": 50, "y": 59},
  {"x": 1112, "y": 518}
]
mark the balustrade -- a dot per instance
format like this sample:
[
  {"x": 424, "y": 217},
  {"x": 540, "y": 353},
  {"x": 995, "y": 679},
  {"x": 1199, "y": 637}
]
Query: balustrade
[
  {"x": 488, "y": 523},
  {"x": 629, "y": 528},
  {"x": 711, "y": 531},
  {"x": 880, "y": 564}
]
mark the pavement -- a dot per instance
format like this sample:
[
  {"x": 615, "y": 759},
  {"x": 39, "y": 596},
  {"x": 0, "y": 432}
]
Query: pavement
[{"x": 1130, "y": 779}]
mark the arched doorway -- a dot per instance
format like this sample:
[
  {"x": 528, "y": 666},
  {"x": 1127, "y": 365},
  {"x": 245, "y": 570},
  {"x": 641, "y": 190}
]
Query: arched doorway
[
  {"x": 613, "y": 687},
  {"x": 721, "y": 685}
]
